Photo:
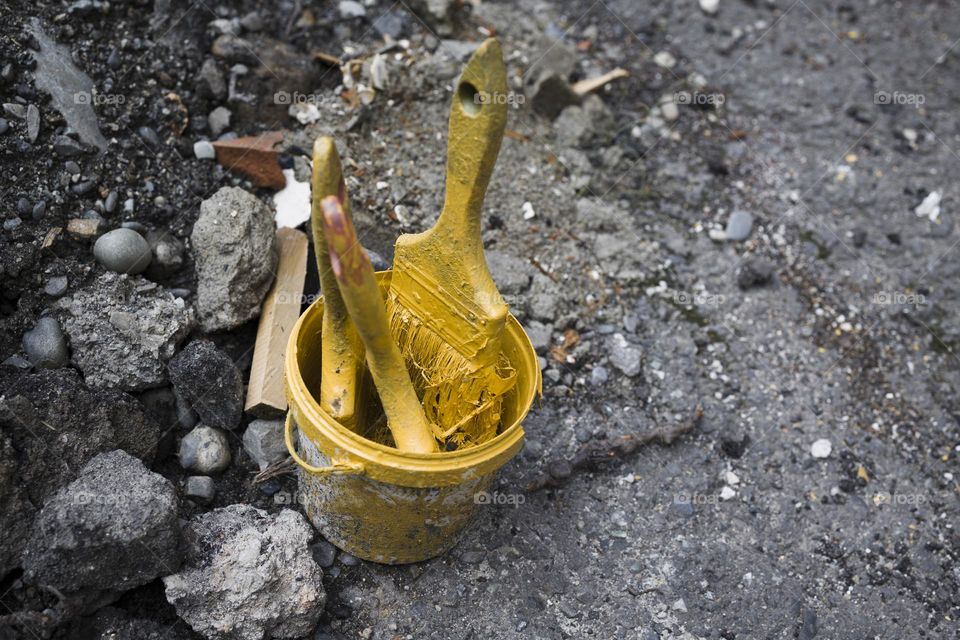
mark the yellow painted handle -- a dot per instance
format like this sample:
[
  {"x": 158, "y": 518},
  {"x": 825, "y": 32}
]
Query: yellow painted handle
[
  {"x": 361, "y": 295},
  {"x": 339, "y": 363},
  {"x": 338, "y": 468},
  {"x": 478, "y": 116}
]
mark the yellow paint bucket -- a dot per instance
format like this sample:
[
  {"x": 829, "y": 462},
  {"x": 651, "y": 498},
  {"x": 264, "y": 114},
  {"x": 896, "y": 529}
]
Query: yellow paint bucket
[{"x": 374, "y": 501}]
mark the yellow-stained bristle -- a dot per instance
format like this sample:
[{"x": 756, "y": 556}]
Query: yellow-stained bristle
[{"x": 462, "y": 400}]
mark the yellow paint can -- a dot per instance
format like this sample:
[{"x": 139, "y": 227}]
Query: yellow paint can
[{"x": 374, "y": 501}]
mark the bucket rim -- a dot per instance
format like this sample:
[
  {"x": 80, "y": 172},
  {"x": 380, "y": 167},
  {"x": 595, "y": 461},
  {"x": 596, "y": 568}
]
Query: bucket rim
[{"x": 387, "y": 463}]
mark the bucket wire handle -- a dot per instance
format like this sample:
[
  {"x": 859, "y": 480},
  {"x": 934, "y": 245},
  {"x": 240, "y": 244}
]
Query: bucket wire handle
[{"x": 340, "y": 467}]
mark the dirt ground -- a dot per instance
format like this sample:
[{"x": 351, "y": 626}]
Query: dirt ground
[{"x": 835, "y": 319}]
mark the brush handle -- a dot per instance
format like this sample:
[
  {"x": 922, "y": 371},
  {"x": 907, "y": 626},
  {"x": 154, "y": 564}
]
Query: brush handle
[
  {"x": 478, "y": 116},
  {"x": 339, "y": 360},
  {"x": 361, "y": 295}
]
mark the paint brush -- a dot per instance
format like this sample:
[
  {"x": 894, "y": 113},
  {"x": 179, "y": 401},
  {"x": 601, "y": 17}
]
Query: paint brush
[
  {"x": 446, "y": 312},
  {"x": 361, "y": 295},
  {"x": 340, "y": 351}
]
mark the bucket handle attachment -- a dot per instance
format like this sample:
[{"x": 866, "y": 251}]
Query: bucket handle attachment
[{"x": 338, "y": 468}]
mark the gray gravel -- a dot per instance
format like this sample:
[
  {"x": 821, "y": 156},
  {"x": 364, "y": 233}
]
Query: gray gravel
[
  {"x": 210, "y": 383},
  {"x": 45, "y": 345},
  {"x": 205, "y": 450},
  {"x": 122, "y": 251},
  {"x": 233, "y": 243},
  {"x": 115, "y": 527},
  {"x": 199, "y": 488},
  {"x": 263, "y": 441},
  {"x": 248, "y": 575},
  {"x": 123, "y": 330}
]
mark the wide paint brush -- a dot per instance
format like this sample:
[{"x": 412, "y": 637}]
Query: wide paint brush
[
  {"x": 361, "y": 295},
  {"x": 340, "y": 350},
  {"x": 446, "y": 312}
]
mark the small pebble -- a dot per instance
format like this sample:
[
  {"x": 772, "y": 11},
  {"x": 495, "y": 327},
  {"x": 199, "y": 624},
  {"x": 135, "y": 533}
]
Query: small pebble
[
  {"x": 38, "y": 210},
  {"x": 67, "y": 147},
  {"x": 324, "y": 554},
  {"x": 218, "y": 120},
  {"x": 17, "y": 362},
  {"x": 123, "y": 251},
  {"x": 4, "y": 126},
  {"x": 205, "y": 450},
  {"x": 11, "y": 224},
  {"x": 33, "y": 123},
  {"x": 709, "y": 7},
  {"x": 598, "y": 376},
  {"x": 821, "y": 448},
  {"x": 263, "y": 441},
  {"x": 23, "y": 206},
  {"x": 351, "y": 9},
  {"x": 45, "y": 345},
  {"x": 203, "y": 150},
  {"x": 113, "y": 60},
  {"x": 83, "y": 188},
  {"x": 199, "y": 488},
  {"x": 110, "y": 204},
  {"x": 349, "y": 560},
  {"x": 149, "y": 136},
  {"x": 665, "y": 59},
  {"x": 739, "y": 225},
  {"x": 15, "y": 110},
  {"x": 56, "y": 286}
]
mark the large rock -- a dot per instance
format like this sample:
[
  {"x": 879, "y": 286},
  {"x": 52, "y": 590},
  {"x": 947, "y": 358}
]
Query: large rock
[
  {"x": 211, "y": 384},
  {"x": 114, "y": 528},
  {"x": 123, "y": 330},
  {"x": 248, "y": 576},
  {"x": 234, "y": 246},
  {"x": 55, "y": 424}
]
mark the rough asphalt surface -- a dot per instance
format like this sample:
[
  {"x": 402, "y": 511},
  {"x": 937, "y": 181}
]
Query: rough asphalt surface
[{"x": 810, "y": 129}]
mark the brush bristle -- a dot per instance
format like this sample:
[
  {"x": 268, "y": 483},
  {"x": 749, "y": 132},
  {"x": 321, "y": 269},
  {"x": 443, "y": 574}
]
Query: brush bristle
[{"x": 461, "y": 400}]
